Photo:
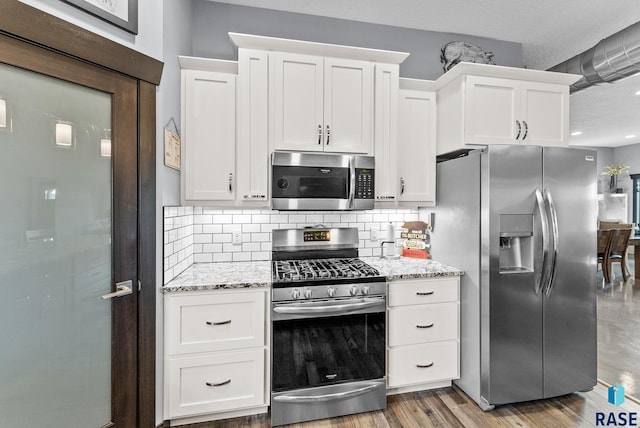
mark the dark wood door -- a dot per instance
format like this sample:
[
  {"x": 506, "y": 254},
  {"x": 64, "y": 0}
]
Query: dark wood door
[{"x": 69, "y": 234}]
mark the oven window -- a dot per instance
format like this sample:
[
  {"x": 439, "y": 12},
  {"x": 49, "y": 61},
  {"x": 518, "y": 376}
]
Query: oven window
[
  {"x": 331, "y": 350},
  {"x": 310, "y": 182}
]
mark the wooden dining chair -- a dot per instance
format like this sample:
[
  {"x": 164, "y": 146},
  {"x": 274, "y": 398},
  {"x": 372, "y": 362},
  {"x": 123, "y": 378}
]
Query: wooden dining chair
[
  {"x": 604, "y": 245},
  {"x": 618, "y": 250},
  {"x": 611, "y": 224}
]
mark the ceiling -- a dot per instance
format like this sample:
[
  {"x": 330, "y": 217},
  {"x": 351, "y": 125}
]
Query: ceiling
[{"x": 549, "y": 31}]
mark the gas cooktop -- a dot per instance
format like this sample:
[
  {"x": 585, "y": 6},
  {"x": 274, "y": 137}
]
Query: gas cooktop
[{"x": 285, "y": 271}]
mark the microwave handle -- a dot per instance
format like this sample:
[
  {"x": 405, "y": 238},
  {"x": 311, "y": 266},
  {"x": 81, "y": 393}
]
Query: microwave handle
[{"x": 352, "y": 184}]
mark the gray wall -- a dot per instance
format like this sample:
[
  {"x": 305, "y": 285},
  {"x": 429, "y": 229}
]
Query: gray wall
[
  {"x": 212, "y": 21},
  {"x": 176, "y": 41}
]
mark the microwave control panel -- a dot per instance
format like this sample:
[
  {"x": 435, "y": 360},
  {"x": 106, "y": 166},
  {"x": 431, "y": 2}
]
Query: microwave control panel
[{"x": 364, "y": 183}]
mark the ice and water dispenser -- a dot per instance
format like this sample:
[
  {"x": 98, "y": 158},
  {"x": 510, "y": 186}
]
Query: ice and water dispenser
[{"x": 516, "y": 243}]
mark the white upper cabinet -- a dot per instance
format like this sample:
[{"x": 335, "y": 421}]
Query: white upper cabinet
[
  {"x": 417, "y": 147},
  {"x": 386, "y": 134},
  {"x": 209, "y": 136},
  {"x": 321, "y": 104},
  {"x": 483, "y": 104},
  {"x": 253, "y": 128}
]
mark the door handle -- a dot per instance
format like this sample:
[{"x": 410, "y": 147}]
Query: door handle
[
  {"x": 526, "y": 130},
  {"x": 545, "y": 238},
  {"x": 402, "y": 185},
  {"x": 122, "y": 289},
  {"x": 319, "y": 134},
  {"x": 328, "y": 135},
  {"x": 519, "y": 129},
  {"x": 555, "y": 234}
]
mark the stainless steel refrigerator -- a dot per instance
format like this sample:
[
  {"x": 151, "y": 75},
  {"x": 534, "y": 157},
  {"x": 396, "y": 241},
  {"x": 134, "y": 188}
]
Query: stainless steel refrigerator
[{"x": 521, "y": 222}]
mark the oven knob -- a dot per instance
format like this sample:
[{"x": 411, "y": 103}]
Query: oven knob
[
  {"x": 308, "y": 293},
  {"x": 331, "y": 291},
  {"x": 295, "y": 294},
  {"x": 354, "y": 291},
  {"x": 365, "y": 289}
]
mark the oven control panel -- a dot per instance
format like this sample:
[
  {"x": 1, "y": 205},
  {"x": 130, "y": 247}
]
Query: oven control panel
[
  {"x": 316, "y": 235},
  {"x": 328, "y": 291}
]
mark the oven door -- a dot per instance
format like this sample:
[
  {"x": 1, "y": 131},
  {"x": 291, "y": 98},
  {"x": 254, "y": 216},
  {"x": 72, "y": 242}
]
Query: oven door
[
  {"x": 331, "y": 342},
  {"x": 306, "y": 181}
]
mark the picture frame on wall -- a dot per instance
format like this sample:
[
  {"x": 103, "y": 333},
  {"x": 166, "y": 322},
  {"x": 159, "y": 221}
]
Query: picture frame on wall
[{"x": 121, "y": 13}]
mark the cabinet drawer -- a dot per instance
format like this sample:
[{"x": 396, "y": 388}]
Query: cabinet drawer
[
  {"x": 421, "y": 291},
  {"x": 423, "y": 363},
  {"x": 215, "y": 383},
  {"x": 215, "y": 322},
  {"x": 416, "y": 324}
]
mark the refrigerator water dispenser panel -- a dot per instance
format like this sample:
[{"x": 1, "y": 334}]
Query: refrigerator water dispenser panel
[{"x": 516, "y": 243}]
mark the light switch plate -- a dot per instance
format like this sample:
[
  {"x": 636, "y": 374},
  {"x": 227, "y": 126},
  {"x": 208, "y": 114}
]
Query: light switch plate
[
  {"x": 236, "y": 237},
  {"x": 374, "y": 233}
]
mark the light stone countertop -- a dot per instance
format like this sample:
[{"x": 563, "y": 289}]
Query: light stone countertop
[
  {"x": 216, "y": 276},
  {"x": 230, "y": 275},
  {"x": 407, "y": 268}
]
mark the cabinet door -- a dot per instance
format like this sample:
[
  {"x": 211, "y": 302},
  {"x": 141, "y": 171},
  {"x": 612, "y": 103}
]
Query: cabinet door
[
  {"x": 209, "y": 138},
  {"x": 416, "y": 146},
  {"x": 253, "y": 127},
  {"x": 296, "y": 89},
  {"x": 545, "y": 113},
  {"x": 348, "y": 106},
  {"x": 492, "y": 111},
  {"x": 386, "y": 131}
]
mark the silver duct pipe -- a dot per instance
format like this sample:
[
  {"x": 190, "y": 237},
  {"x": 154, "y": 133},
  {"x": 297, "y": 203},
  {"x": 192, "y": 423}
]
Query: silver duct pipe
[{"x": 613, "y": 58}]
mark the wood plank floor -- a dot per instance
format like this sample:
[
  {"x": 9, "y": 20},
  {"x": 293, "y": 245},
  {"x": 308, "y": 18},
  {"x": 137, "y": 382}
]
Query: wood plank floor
[
  {"x": 619, "y": 331},
  {"x": 451, "y": 407}
]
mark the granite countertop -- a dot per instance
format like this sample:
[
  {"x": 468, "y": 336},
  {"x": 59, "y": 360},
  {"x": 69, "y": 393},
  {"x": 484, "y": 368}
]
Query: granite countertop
[
  {"x": 406, "y": 268},
  {"x": 215, "y": 276},
  {"x": 230, "y": 275}
]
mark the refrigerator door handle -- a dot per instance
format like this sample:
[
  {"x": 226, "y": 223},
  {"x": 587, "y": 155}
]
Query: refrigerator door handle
[
  {"x": 554, "y": 250},
  {"x": 544, "y": 220}
]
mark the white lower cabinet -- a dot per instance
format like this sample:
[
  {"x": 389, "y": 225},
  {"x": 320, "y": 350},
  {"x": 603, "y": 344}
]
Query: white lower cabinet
[
  {"x": 423, "y": 332},
  {"x": 216, "y": 355}
]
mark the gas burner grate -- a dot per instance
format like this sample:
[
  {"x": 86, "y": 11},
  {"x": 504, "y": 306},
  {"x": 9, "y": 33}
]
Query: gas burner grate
[{"x": 320, "y": 269}]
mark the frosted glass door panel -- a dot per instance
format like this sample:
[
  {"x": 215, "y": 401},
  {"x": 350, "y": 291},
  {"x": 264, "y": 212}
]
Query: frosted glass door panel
[{"x": 55, "y": 253}]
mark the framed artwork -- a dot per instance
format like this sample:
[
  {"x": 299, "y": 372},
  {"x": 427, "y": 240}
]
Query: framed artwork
[{"x": 121, "y": 13}]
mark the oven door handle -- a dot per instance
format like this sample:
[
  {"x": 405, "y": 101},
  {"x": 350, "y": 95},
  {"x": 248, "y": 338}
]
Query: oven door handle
[
  {"x": 327, "y": 397},
  {"x": 307, "y": 308}
]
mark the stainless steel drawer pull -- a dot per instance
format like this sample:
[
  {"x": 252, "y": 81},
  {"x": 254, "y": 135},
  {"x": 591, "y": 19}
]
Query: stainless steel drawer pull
[
  {"x": 425, "y": 326},
  {"x": 424, "y": 293},
  {"x": 254, "y": 196},
  {"x": 424, "y": 366},
  {"x": 218, "y": 322},
  {"x": 226, "y": 382}
]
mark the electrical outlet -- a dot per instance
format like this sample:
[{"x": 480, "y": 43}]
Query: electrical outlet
[
  {"x": 374, "y": 233},
  {"x": 236, "y": 237}
]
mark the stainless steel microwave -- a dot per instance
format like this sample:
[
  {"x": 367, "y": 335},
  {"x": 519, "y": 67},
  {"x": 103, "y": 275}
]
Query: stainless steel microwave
[{"x": 322, "y": 181}]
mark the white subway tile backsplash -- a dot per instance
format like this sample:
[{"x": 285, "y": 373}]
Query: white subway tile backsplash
[
  {"x": 260, "y": 218},
  {"x": 222, "y": 257},
  {"x": 241, "y": 257},
  {"x": 250, "y": 228},
  {"x": 222, "y": 218},
  {"x": 204, "y": 235}
]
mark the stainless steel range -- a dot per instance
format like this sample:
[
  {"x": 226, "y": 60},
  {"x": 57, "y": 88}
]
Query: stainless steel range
[{"x": 328, "y": 327}]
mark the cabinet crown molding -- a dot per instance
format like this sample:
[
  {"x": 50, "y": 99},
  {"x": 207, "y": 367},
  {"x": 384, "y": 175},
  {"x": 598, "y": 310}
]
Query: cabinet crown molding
[
  {"x": 499, "y": 71},
  {"x": 250, "y": 41},
  {"x": 208, "y": 64}
]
